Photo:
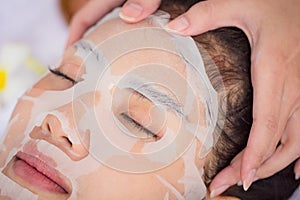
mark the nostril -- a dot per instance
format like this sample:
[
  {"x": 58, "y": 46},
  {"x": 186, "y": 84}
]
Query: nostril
[
  {"x": 67, "y": 141},
  {"x": 48, "y": 128},
  {"x": 53, "y": 133}
]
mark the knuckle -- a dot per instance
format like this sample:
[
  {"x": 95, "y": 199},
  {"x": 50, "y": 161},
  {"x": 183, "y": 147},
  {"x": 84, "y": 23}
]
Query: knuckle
[
  {"x": 269, "y": 123},
  {"x": 257, "y": 154},
  {"x": 272, "y": 124}
]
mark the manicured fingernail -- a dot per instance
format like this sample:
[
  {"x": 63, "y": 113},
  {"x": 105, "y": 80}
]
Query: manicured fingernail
[
  {"x": 130, "y": 12},
  {"x": 250, "y": 178},
  {"x": 179, "y": 24},
  {"x": 218, "y": 191},
  {"x": 297, "y": 177},
  {"x": 239, "y": 183}
]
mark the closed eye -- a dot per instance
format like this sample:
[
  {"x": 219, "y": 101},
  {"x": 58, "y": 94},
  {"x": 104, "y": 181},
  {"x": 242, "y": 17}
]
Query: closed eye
[
  {"x": 62, "y": 75},
  {"x": 138, "y": 126}
]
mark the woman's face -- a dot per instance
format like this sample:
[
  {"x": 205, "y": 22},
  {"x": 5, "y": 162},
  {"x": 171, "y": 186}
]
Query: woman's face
[{"x": 122, "y": 131}]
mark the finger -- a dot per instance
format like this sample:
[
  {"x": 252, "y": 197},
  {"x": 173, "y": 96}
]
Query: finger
[
  {"x": 297, "y": 169},
  {"x": 287, "y": 152},
  {"x": 225, "y": 198},
  {"x": 283, "y": 156},
  {"x": 208, "y": 15},
  {"x": 88, "y": 16},
  {"x": 227, "y": 177},
  {"x": 269, "y": 116},
  {"x": 137, "y": 10}
]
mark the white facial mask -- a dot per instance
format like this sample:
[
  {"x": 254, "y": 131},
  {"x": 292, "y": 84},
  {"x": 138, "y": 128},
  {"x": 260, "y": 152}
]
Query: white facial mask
[{"x": 101, "y": 104}]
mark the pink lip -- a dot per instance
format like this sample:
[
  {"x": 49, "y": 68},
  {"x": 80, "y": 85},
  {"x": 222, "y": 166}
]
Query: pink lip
[{"x": 39, "y": 174}]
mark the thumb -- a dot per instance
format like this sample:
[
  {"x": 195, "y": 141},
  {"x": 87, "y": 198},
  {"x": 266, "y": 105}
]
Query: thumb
[
  {"x": 209, "y": 15},
  {"x": 136, "y": 10},
  {"x": 88, "y": 15}
]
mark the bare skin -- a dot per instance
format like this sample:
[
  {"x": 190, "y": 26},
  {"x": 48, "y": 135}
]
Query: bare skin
[{"x": 275, "y": 73}]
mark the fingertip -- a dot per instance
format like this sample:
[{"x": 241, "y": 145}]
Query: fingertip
[
  {"x": 252, "y": 157},
  {"x": 68, "y": 44},
  {"x": 134, "y": 10},
  {"x": 72, "y": 38},
  {"x": 216, "y": 192},
  {"x": 227, "y": 177},
  {"x": 179, "y": 24},
  {"x": 249, "y": 179},
  {"x": 297, "y": 170},
  {"x": 131, "y": 12},
  {"x": 206, "y": 15},
  {"x": 248, "y": 168},
  {"x": 239, "y": 183}
]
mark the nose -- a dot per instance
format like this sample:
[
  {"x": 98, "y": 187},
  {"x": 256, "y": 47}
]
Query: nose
[{"x": 65, "y": 138}]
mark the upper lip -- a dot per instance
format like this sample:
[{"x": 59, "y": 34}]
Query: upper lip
[{"x": 45, "y": 169}]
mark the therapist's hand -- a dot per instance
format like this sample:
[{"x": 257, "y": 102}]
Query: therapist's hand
[
  {"x": 88, "y": 15},
  {"x": 273, "y": 29},
  {"x": 92, "y": 11}
]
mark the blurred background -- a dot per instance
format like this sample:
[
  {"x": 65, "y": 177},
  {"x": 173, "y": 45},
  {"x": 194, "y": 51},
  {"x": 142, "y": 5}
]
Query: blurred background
[{"x": 33, "y": 34}]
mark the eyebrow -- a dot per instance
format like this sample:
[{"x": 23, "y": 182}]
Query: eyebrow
[
  {"x": 87, "y": 46},
  {"x": 146, "y": 90},
  {"x": 157, "y": 96}
]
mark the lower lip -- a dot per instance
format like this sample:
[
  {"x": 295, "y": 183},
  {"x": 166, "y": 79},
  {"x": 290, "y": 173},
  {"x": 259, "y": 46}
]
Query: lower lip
[{"x": 36, "y": 178}]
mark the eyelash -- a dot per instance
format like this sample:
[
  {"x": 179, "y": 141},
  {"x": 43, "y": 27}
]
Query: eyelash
[
  {"x": 138, "y": 126},
  {"x": 125, "y": 116},
  {"x": 62, "y": 75}
]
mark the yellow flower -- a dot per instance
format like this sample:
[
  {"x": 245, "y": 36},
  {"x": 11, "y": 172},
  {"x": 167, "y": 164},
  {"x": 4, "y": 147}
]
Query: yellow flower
[{"x": 3, "y": 75}]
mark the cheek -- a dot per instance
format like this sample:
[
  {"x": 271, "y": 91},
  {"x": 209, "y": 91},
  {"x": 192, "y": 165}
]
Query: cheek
[
  {"x": 172, "y": 174},
  {"x": 16, "y": 129},
  {"x": 106, "y": 183}
]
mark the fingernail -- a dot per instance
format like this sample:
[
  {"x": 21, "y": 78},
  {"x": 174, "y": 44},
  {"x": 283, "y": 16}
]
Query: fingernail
[
  {"x": 297, "y": 177},
  {"x": 130, "y": 12},
  {"x": 248, "y": 181},
  {"x": 239, "y": 183},
  {"x": 179, "y": 24},
  {"x": 218, "y": 191}
]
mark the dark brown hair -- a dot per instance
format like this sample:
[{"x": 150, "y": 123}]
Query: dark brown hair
[{"x": 228, "y": 49}]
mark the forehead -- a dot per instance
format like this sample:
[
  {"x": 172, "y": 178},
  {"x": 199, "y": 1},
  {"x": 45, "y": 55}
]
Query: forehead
[
  {"x": 115, "y": 26},
  {"x": 114, "y": 38},
  {"x": 125, "y": 47}
]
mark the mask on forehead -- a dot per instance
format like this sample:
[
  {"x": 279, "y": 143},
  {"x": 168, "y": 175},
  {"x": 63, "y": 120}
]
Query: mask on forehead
[{"x": 177, "y": 107}]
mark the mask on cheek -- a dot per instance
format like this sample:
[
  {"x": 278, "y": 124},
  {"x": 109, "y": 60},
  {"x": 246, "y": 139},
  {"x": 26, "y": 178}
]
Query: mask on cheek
[{"x": 131, "y": 115}]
